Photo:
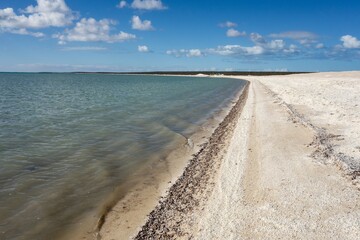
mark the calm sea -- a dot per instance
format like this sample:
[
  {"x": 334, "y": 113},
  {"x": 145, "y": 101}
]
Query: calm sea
[{"x": 67, "y": 140}]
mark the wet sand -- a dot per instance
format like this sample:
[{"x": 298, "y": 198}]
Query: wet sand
[
  {"x": 126, "y": 217},
  {"x": 283, "y": 164}
]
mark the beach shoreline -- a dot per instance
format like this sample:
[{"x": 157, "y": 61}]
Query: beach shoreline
[
  {"x": 189, "y": 193},
  {"x": 145, "y": 195},
  {"x": 282, "y": 169}
]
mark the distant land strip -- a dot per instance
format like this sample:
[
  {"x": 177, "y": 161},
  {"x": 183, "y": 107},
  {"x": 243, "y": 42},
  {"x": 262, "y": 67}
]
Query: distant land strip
[{"x": 234, "y": 73}]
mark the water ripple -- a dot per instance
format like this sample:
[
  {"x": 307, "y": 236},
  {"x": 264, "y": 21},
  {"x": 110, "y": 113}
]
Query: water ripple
[{"x": 68, "y": 140}]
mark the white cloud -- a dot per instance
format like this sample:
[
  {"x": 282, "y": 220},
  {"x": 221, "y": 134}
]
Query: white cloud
[
  {"x": 228, "y": 24},
  {"x": 297, "y": 35},
  {"x": 278, "y": 47},
  {"x": 257, "y": 39},
  {"x": 90, "y": 30},
  {"x": 122, "y": 4},
  {"x": 143, "y": 49},
  {"x": 274, "y": 47},
  {"x": 137, "y": 24},
  {"x": 6, "y": 12},
  {"x": 194, "y": 53},
  {"x": 148, "y": 5},
  {"x": 49, "y": 6},
  {"x": 185, "y": 52},
  {"x": 174, "y": 52},
  {"x": 276, "y": 44},
  {"x": 237, "y": 50},
  {"x": 23, "y": 31},
  {"x": 84, "y": 48},
  {"x": 234, "y": 33},
  {"x": 307, "y": 39},
  {"x": 47, "y": 13},
  {"x": 350, "y": 41},
  {"x": 292, "y": 49},
  {"x": 261, "y": 48}
]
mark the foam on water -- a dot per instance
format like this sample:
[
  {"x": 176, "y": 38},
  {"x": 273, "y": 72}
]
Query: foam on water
[{"x": 67, "y": 140}]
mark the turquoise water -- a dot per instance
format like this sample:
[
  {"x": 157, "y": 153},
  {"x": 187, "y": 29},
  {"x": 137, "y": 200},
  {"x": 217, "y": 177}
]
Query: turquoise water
[{"x": 67, "y": 140}]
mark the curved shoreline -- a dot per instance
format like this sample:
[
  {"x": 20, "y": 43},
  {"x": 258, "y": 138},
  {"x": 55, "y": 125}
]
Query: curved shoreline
[
  {"x": 191, "y": 190},
  {"x": 123, "y": 218},
  {"x": 260, "y": 178}
]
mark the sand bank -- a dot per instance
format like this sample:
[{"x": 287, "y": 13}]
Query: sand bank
[{"x": 284, "y": 165}]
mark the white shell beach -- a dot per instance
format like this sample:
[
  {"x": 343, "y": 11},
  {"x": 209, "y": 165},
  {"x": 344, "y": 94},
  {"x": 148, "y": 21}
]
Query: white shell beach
[{"x": 289, "y": 168}]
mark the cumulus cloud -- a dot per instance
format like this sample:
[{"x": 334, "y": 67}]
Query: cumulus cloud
[
  {"x": 194, "y": 53},
  {"x": 90, "y": 30},
  {"x": 50, "y": 6},
  {"x": 185, "y": 52},
  {"x": 228, "y": 24},
  {"x": 228, "y": 50},
  {"x": 137, "y": 24},
  {"x": 47, "y": 13},
  {"x": 257, "y": 39},
  {"x": 265, "y": 48},
  {"x": 291, "y": 49},
  {"x": 276, "y": 44},
  {"x": 234, "y": 33},
  {"x": 148, "y": 5},
  {"x": 261, "y": 48},
  {"x": 350, "y": 41},
  {"x": 297, "y": 35},
  {"x": 143, "y": 49},
  {"x": 122, "y": 4}
]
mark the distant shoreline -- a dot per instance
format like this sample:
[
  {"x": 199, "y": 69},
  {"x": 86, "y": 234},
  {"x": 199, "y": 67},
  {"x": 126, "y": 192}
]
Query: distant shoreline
[
  {"x": 189, "y": 73},
  {"x": 183, "y": 73}
]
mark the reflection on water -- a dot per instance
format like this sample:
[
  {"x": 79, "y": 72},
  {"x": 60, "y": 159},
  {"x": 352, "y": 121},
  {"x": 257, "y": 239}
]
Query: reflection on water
[{"x": 67, "y": 140}]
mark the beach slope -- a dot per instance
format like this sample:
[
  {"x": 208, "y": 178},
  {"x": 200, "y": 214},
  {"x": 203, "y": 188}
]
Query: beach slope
[{"x": 279, "y": 180}]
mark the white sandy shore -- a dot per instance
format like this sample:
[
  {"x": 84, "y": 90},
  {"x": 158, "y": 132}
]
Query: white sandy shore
[
  {"x": 279, "y": 176},
  {"x": 327, "y": 100},
  {"x": 269, "y": 186}
]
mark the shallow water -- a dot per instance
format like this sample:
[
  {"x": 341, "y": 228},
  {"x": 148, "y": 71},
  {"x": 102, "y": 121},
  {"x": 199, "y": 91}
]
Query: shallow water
[{"x": 67, "y": 140}]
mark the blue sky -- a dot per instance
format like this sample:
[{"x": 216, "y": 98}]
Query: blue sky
[{"x": 148, "y": 35}]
